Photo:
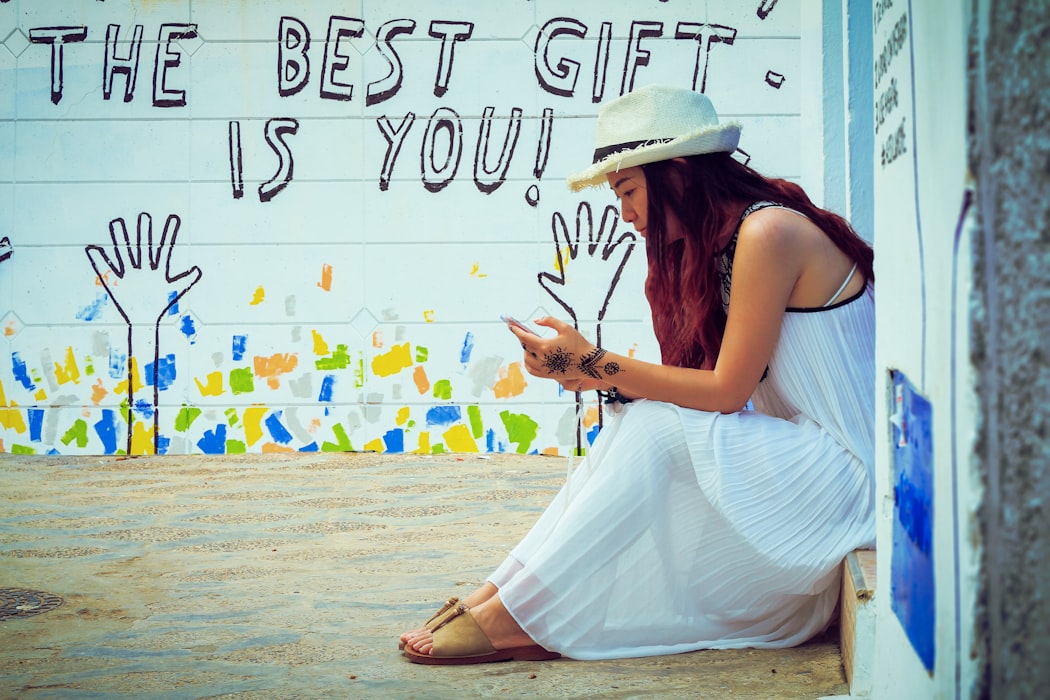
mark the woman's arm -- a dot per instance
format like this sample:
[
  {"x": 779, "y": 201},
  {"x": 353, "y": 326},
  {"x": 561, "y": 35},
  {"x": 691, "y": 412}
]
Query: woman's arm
[{"x": 767, "y": 264}]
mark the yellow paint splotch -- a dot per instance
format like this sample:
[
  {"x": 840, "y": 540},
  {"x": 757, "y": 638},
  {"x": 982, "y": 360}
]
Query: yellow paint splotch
[
  {"x": 68, "y": 372},
  {"x": 10, "y": 416},
  {"x": 258, "y": 297},
  {"x": 212, "y": 385},
  {"x": 320, "y": 346},
  {"x": 459, "y": 439},
  {"x": 141, "y": 438},
  {"x": 398, "y": 358},
  {"x": 376, "y": 445},
  {"x": 253, "y": 416},
  {"x": 424, "y": 443},
  {"x": 511, "y": 381},
  {"x": 402, "y": 415},
  {"x": 475, "y": 271}
]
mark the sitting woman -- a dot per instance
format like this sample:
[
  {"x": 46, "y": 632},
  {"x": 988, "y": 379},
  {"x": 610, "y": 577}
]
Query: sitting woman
[{"x": 697, "y": 521}]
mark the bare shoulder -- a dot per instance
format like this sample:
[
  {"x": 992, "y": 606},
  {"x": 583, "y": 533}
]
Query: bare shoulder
[{"x": 778, "y": 229}]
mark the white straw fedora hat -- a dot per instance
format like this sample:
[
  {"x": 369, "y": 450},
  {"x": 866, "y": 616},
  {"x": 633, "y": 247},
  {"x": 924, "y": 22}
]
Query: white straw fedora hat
[{"x": 651, "y": 124}]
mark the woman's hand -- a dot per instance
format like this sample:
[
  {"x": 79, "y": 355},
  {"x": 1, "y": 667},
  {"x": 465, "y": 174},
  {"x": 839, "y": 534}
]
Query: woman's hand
[{"x": 563, "y": 358}]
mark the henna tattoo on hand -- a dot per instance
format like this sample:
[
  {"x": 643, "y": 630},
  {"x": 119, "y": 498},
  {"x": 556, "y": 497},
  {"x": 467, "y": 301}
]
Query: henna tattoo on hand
[
  {"x": 590, "y": 364},
  {"x": 558, "y": 361}
]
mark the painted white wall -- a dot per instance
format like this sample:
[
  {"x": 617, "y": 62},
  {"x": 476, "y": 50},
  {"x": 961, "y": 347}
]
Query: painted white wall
[
  {"x": 349, "y": 309},
  {"x": 923, "y": 282}
]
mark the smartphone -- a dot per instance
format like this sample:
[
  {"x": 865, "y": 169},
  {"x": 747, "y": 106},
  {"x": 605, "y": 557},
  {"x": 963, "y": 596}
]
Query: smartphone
[{"x": 511, "y": 321}]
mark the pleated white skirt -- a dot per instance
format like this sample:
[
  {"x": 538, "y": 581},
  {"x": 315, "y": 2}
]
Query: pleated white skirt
[{"x": 687, "y": 530}]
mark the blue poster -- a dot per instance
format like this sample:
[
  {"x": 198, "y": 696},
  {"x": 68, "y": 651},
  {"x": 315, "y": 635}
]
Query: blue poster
[{"x": 912, "y": 585}]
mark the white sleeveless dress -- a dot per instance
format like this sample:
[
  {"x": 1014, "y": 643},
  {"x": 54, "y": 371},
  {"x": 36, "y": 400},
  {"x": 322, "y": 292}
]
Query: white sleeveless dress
[{"x": 686, "y": 530}]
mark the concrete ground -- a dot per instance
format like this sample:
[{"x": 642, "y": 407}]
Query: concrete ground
[{"x": 290, "y": 576}]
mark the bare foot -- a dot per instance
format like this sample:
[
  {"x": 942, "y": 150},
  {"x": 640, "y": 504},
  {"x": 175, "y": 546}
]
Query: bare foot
[
  {"x": 474, "y": 599},
  {"x": 492, "y": 617}
]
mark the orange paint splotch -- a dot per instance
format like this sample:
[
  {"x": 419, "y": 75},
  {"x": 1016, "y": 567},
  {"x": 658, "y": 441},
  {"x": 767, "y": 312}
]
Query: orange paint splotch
[
  {"x": 377, "y": 339},
  {"x": 633, "y": 350},
  {"x": 273, "y": 447},
  {"x": 315, "y": 425},
  {"x": 274, "y": 366},
  {"x": 98, "y": 392},
  {"x": 590, "y": 417},
  {"x": 419, "y": 376},
  {"x": 258, "y": 296},
  {"x": 10, "y": 329},
  {"x": 320, "y": 346},
  {"x": 398, "y": 358},
  {"x": 326, "y": 278},
  {"x": 511, "y": 381},
  {"x": 551, "y": 451},
  {"x": 212, "y": 385}
]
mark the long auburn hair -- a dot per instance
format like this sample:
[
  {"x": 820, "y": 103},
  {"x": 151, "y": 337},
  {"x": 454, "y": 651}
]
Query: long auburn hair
[{"x": 684, "y": 285}]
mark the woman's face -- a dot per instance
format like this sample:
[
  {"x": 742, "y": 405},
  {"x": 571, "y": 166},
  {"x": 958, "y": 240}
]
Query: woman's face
[{"x": 629, "y": 187}]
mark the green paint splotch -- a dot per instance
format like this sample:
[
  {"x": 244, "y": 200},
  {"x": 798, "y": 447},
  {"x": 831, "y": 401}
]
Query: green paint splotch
[
  {"x": 77, "y": 432},
  {"x": 339, "y": 359},
  {"x": 185, "y": 419},
  {"x": 520, "y": 429},
  {"x": 242, "y": 381},
  {"x": 422, "y": 354},
  {"x": 477, "y": 427},
  {"x": 342, "y": 443},
  {"x": 236, "y": 447},
  {"x": 443, "y": 389}
]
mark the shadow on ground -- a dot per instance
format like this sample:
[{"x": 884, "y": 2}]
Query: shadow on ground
[{"x": 290, "y": 576}]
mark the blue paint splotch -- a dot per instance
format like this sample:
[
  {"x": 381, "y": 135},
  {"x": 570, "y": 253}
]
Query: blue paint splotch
[
  {"x": 118, "y": 364},
  {"x": 173, "y": 300},
  {"x": 21, "y": 374},
  {"x": 443, "y": 415},
  {"x": 93, "y": 310},
  {"x": 394, "y": 440},
  {"x": 188, "y": 328},
  {"x": 106, "y": 429},
  {"x": 312, "y": 447},
  {"x": 277, "y": 430},
  {"x": 36, "y": 423},
  {"x": 240, "y": 343},
  {"x": 165, "y": 372},
  {"x": 327, "y": 385},
  {"x": 467, "y": 349},
  {"x": 145, "y": 408},
  {"x": 214, "y": 441}
]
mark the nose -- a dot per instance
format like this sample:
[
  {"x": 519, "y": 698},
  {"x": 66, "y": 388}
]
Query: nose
[{"x": 626, "y": 212}]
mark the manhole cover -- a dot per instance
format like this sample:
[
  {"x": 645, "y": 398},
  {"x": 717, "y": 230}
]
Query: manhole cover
[{"x": 18, "y": 602}]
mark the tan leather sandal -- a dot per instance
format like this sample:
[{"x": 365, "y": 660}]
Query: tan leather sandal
[
  {"x": 449, "y": 604},
  {"x": 458, "y": 640}
]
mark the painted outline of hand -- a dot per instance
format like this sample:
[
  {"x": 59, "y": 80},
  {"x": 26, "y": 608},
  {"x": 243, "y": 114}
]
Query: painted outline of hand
[
  {"x": 587, "y": 298},
  {"x": 141, "y": 286}
]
